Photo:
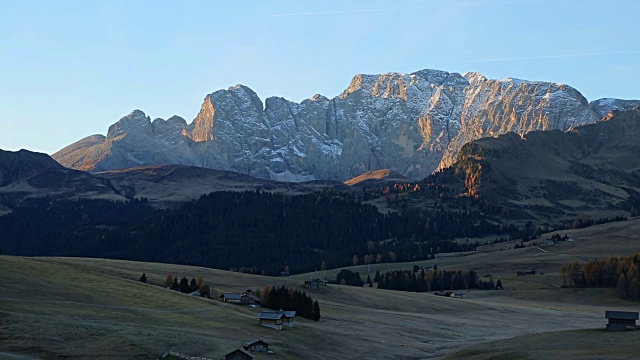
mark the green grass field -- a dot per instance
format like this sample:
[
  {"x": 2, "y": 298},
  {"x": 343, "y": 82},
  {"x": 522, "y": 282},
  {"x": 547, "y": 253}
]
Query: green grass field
[{"x": 77, "y": 308}]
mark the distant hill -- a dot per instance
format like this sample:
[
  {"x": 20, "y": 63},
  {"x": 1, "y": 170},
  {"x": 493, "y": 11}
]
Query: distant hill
[
  {"x": 26, "y": 175},
  {"x": 377, "y": 179},
  {"x": 548, "y": 175},
  {"x": 170, "y": 184}
]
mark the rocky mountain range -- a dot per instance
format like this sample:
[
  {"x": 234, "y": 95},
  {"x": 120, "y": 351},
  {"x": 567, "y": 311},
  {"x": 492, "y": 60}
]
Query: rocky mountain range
[{"x": 410, "y": 123}]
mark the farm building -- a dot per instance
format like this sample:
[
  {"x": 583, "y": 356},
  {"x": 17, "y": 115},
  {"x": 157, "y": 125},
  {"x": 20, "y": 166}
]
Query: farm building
[
  {"x": 276, "y": 319},
  {"x": 621, "y": 320},
  {"x": 256, "y": 345},
  {"x": 231, "y": 298},
  {"x": 249, "y": 299},
  {"x": 238, "y": 354},
  {"x": 314, "y": 283}
]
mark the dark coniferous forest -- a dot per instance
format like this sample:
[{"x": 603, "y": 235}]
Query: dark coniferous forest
[{"x": 257, "y": 232}]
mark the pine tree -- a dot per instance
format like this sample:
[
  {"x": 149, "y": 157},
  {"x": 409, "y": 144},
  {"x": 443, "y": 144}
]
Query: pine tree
[
  {"x": 316, "y": 311},
  {"x": 499, "y": 285},
  {"x": 175, "y": 286},
  {"x": 143, "y": 278},
  {"x": 377, "y": 277},
  {"x": 193, "y": 285},
  {"x": 184, "y": 285}
]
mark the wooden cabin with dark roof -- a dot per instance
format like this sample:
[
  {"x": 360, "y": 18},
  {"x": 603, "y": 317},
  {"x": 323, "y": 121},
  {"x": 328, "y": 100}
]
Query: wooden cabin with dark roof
[
  {"x": 621, "y": 320},
  {"x": 314, "y": 284},
  {"x": 239, "y": 354},
  {"x": 276, "y": 319},
  {"x": 256, "y": 345},
  {"x": 231, "y": 298},
  {"x": 250, "y": 299}
]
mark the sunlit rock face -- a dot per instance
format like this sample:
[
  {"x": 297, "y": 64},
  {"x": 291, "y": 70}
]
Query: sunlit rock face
[{"x": 410, "y": 123}]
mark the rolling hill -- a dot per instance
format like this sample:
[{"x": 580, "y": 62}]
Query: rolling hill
[{"x": 79, "y": 308}]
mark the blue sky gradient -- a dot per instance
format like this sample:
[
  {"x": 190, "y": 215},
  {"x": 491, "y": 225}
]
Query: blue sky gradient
[{"x": 69, "y": 69}]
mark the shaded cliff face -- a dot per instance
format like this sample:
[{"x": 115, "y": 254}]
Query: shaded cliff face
[
  {"x": 590, "y": 169},
  {"x": 410, "y": 123}
]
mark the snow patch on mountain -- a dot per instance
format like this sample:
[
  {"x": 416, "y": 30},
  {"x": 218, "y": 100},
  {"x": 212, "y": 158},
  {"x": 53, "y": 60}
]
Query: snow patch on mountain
[{"x": 410, "y": 123}]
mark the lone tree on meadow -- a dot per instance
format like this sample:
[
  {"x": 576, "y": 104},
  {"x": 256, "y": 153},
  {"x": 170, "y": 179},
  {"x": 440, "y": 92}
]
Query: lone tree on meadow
[
  {"x": 499, "y": 285},
  {"x": 143, "y": 278},
  {"x": 184, "y": 285}
]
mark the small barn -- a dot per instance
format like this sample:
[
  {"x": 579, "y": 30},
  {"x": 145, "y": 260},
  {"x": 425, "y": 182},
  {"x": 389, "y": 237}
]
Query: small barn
[
  {"x": 249, "y": 299},
  {"x": 313, "y": 284},
  {"x": 276, "y": 319},
  {"x": 256, "y": 345},
  {"x": 621, "y": 320},
  {"x": 271, "y": 319},
  {"x": 288, "y": 318},
  {"x": 238, "y": 354},
  {"x": 231, "y": 298}
]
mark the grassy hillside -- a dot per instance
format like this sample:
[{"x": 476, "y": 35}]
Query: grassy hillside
[
  {"x": 79, "y": 308},
  {"x": 574, "y": 344}
]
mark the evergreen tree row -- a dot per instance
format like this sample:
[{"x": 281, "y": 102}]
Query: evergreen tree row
[
  {"x": 348, "y": 277},
  {"x": 257, "y": 232},
  {"x": 186, "y": 286},
  {"x": 282, "y": 298},
  {"x": 432, "y": 280}
]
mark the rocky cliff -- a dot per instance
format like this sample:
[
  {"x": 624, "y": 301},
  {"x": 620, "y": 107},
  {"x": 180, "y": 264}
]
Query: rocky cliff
[{"x": 410, "y": 123}]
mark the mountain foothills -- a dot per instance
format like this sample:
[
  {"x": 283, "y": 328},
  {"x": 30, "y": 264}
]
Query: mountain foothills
[
  {"x": 26, "y": 177},
  {"x": 412, "y": 124},
  {"x": 546, "y": 176},
  {"x": 509, "y": 187}
]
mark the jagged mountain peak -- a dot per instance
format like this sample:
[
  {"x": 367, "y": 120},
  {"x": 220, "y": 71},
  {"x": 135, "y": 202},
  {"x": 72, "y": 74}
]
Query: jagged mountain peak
[{"x": 410, "y": 123}]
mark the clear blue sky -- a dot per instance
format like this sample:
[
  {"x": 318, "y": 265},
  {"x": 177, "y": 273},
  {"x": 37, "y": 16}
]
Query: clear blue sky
[{"x": 69, "y": 69}]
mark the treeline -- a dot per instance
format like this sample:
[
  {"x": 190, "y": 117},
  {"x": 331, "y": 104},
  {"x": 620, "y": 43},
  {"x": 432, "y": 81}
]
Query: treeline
[
  {"x": 63, "y": 228},
  {"x": 282, "y": 298},
  {"x": 622, "y": 272},
  {"x": 254, "y": 232},
  {"x": 585, "y": 221},
  {"x": 348, "y": 277},
  {"x": 260, "y": 232},
  {"x": 186, "y": 286},
  {"x": 433, "y": 280}
]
